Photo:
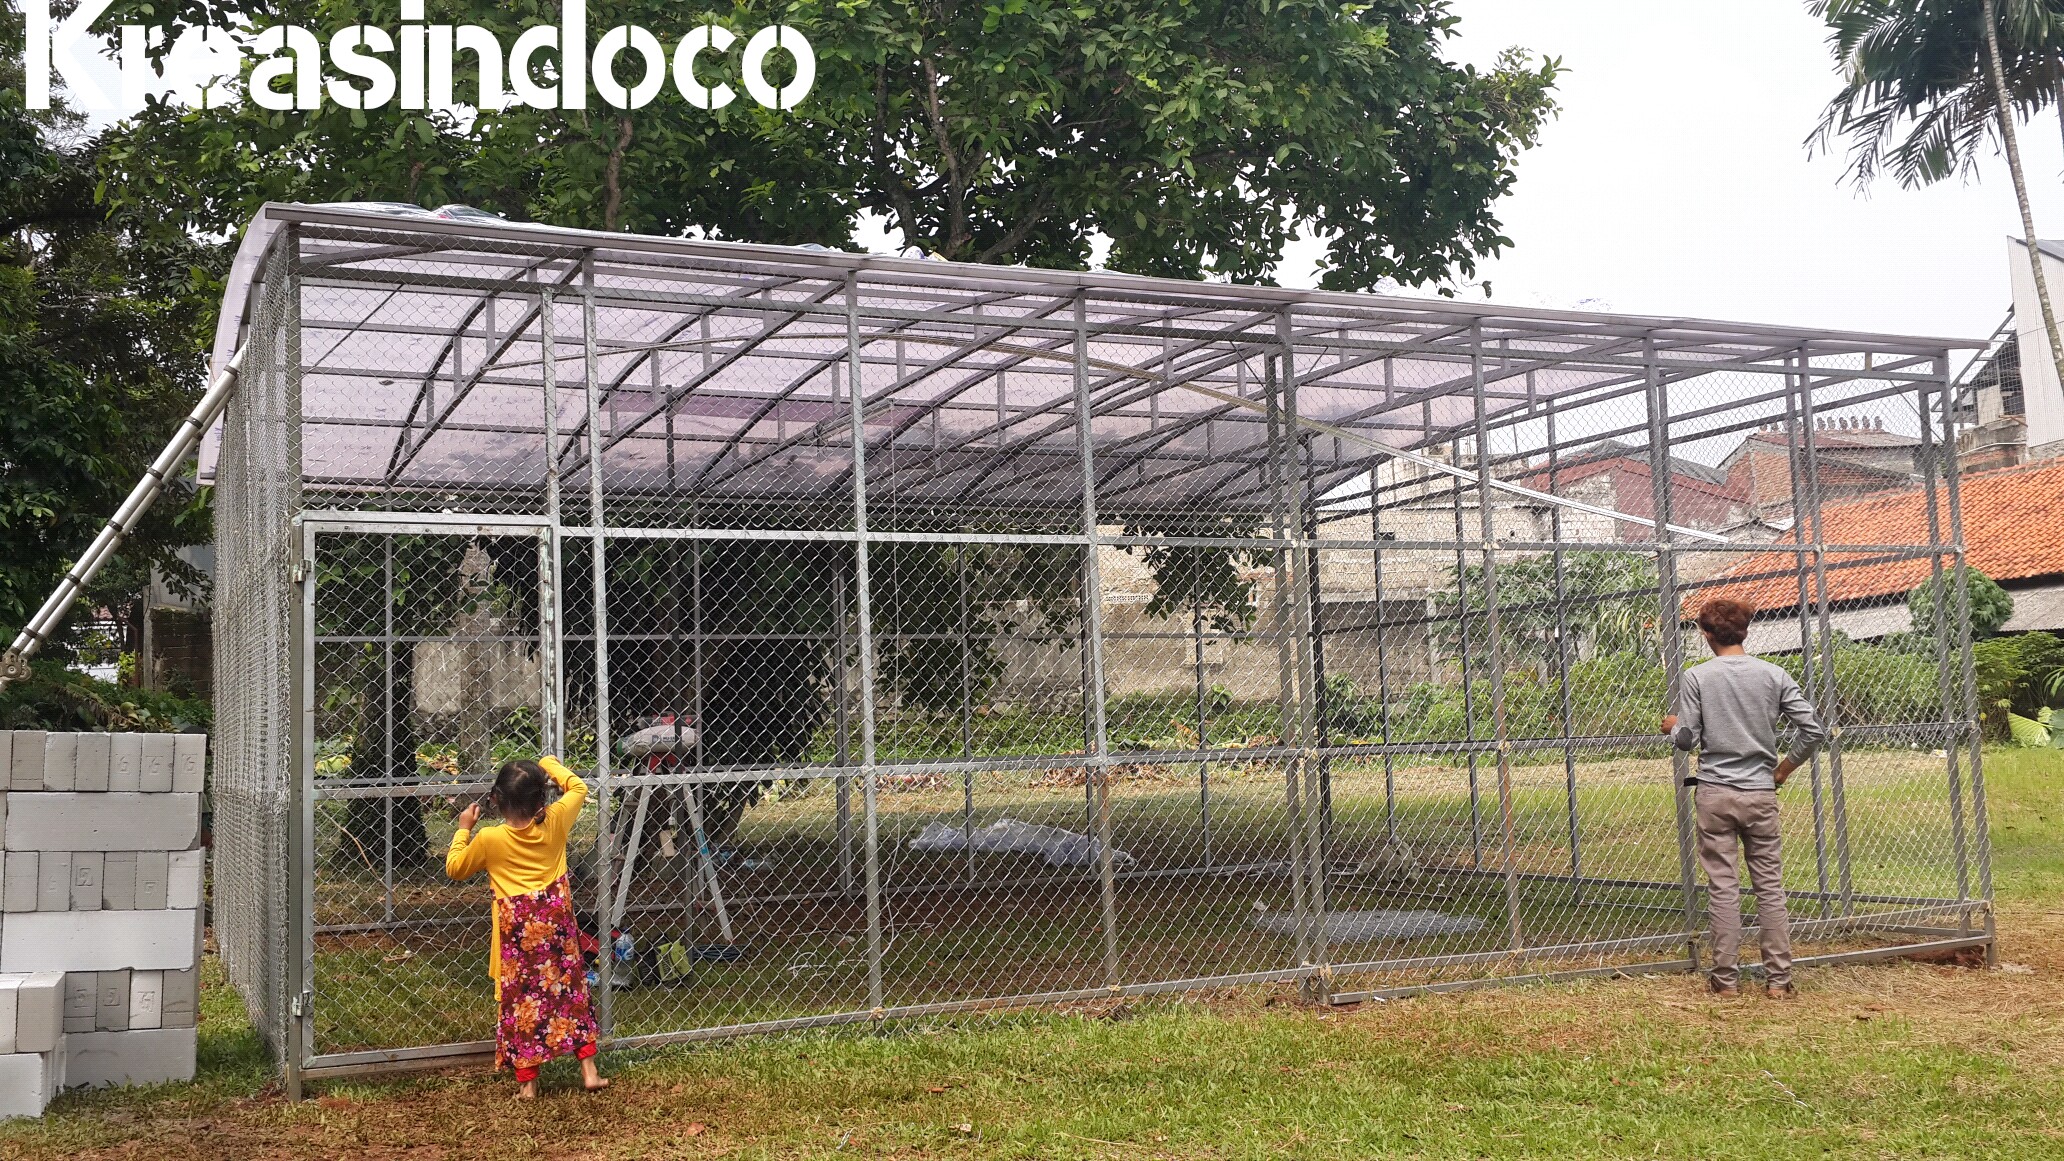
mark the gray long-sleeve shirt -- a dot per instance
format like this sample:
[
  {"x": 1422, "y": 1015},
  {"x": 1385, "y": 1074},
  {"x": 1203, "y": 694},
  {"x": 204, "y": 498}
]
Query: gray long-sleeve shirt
[{"x": 1729, "y": 715}]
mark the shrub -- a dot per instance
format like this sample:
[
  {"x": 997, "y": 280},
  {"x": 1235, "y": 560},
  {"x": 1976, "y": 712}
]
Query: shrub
[
  {"x": 1991, "y": 605},
  {"x": 1618, "y": 693},
  {"x": 1885, "y": 686},
  {"x": 56, "y": 698},
  {"x": 2017, "y": 677}
]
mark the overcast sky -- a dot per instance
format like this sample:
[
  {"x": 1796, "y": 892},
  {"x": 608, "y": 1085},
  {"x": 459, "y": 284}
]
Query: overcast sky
[{"x": 1675, "y": 181}]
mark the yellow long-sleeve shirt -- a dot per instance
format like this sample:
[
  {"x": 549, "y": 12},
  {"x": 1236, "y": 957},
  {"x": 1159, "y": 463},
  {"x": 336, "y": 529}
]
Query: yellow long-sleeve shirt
[{"x": 520, "y": 860}]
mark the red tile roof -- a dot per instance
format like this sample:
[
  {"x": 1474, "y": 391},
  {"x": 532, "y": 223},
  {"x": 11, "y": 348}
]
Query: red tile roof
[{"x": 2010, "y": 530}]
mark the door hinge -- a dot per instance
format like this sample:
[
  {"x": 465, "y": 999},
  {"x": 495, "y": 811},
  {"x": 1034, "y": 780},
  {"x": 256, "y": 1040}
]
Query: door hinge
[
  {"x": 299, "y": 570},
  {"x": 304, "y": 1002}
]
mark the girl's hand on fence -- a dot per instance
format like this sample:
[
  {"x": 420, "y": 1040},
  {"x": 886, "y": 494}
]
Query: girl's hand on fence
[{"x": 469, "y": 816}]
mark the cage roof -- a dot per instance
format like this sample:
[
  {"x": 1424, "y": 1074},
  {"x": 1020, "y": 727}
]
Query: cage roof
[{"x": 722, "y": 371}]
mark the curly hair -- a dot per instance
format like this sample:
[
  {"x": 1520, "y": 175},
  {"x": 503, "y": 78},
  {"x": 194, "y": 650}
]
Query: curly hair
[
  {"x": 519, "y": 791},
  {"x": 1726, "y": 620}
]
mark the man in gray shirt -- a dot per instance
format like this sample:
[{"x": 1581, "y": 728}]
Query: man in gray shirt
[{"x": 1729, "y": 715}]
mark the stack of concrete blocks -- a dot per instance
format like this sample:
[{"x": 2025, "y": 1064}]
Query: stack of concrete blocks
[{"x": 100, "y": 911}]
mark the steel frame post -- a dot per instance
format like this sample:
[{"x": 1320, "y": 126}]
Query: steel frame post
[
  {"x": 1837, "y": 800},
  {"x": 1312, "y": 566},
  {"x": 1508, "y": 845},
  {"x": 1382, "y": 651},
  {"x": 551, "y": 582},
  {"x": 697, "y": 673},
  {"x": 1795, "y": 460},
  {"x": 1980, "y": 827},
  {"x": 387, "y": 726},
  {"x": 1671, "y": 621},
  {"x": 301, "y": 1039},
  {"x": 1203, "y": 727},
  {"x": 1562, "y": 665},
  {"x": 967, "y": 708},
  {"x": 1273, "y": 472},
  {"x": 864, "y": 626},
  {"x": 1306, "y": 646},
  {"x": 1462, "y": 619},
  {"x": 1951, "y": 750},
  {"x": 551, "y": 645},
  {"x": 1098, "y": 769},
  {"x": 1383, "y": 631},
  {"x": 605, "y": 843},
  {"x": 300, "y": 732},
  {"x": 1315, "y": 617},
  {"x": 842, "y": 784}
]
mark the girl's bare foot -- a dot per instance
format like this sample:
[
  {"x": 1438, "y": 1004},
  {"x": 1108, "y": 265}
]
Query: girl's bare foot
[
  {"x": 591, "y": 1076},
  {"x": 527, "y": 1091}
]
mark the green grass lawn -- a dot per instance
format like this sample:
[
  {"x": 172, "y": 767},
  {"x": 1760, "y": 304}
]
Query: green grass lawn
[{"x": 1901, "y": 1060}]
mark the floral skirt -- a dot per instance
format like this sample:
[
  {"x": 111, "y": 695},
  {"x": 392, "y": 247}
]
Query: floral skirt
[{"x": 544, "y": 983}]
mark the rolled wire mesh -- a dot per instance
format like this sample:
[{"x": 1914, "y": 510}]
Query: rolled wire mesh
[{"x": 932, "y": 645}]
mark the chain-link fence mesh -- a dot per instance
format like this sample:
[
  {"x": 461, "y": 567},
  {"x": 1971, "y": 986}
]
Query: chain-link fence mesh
[
  {"x": 258, "y": 494},
  {"x": 936, "y": 638}
]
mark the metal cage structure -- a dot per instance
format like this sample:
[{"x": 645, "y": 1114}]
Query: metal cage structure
[{"x": 937, "y": 638}]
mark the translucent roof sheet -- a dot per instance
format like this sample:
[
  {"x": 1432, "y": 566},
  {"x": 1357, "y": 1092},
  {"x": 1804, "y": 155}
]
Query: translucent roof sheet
[{"x": 722, "y": 373}]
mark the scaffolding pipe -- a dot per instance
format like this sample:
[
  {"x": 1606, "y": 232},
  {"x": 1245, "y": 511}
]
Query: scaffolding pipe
[{"x": 15, "y": 664}]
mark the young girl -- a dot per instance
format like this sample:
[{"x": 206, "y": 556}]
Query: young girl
[{"x": 540, "y": 980}]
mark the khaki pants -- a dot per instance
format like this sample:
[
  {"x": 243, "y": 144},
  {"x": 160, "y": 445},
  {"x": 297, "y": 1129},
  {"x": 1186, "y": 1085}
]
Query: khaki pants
[{"x": 1727, "y": 816}]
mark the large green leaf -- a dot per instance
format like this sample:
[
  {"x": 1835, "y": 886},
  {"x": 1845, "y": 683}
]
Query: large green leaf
[{"x": 2029, "y": 732}]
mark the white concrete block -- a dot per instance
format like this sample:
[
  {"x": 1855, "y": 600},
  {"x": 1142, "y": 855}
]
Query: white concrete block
[
  {"x": 146, "y": 1000},
  {"x": 59, "y": 753},
  {"x": 189, "y": 763},
  {"x": 103, "y": 822},
  {"x": 93, "y": 941},
  {"x": 86, "y": 867},
  {"x": 158, "y": 752},
  {"x": 53, "y": 882},
  {"x": 81, "y": 997},
  {"x": 27, "y": 771},
  {"x": 39, "y": 1012},
  {"x": 182, "y": 998},
  {"x": 183, "y": 880},
  {"x": 148, "y": 1057},
  {"x": 150, "y": 880},
  {"x": 8, "y": 986},
  {"x": 18, "y": 883},
  {"x": 29, "y": 1081},
  {"x": 118, "y": 881},
  {"x": 90, "y": 764},
  {"x": 111, "y": 1003},
  {"x": 125, "y": 762}
]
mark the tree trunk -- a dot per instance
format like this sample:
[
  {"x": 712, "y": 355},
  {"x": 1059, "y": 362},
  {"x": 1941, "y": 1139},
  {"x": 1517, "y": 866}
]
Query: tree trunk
[
  {"x": 367, "y": 829},
  {"x": 2013, "y": 151},
  {"x": 612, "y": 176}
]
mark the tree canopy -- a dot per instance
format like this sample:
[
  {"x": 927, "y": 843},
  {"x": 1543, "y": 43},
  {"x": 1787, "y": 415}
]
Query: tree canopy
[
  {"x": 1926, "y": 82},
  {"x": 102, "y": 321},
  {"x": 1197, "y": 135},
  {"x": 1915, "y": 101}
]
